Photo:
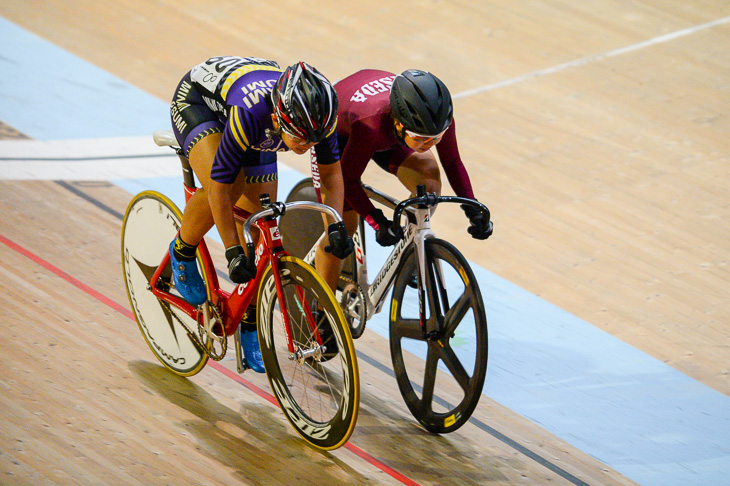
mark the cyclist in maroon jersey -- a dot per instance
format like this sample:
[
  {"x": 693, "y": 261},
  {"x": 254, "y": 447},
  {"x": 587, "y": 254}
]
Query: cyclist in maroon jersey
[{"x": 395, "y": 121}]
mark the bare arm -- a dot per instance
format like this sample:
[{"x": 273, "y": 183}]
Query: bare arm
[
  {"x": 333, "y": 184},
  {"x": 221, "y": 206}
]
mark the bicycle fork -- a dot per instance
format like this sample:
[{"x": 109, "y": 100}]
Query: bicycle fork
[
  {"x": 431, "y": 328},
  {"x": 296, "y": 352}
]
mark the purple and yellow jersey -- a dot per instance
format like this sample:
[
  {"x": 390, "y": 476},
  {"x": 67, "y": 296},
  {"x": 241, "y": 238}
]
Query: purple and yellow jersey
[{"x": 238, "y": 91}]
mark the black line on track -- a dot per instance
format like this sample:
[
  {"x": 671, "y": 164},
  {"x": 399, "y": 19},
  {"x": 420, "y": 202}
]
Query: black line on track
[
  {"x": 380, "y": 366},
  {"x": 90, "y": 199},
  {"x": 482, "y": 426}
]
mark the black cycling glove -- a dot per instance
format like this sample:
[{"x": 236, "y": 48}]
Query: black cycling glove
[
  {"x": 387, "y": 232},
  {"x": 238, "y": 269},
  {"x": 340, "y": 245},
  {"x": 481, "y": 228}
]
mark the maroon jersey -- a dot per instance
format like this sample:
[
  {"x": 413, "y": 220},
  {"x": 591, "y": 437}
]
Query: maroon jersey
[{"x": 365, "y": 119}]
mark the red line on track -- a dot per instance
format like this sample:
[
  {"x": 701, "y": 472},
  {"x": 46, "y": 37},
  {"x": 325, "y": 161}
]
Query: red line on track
[
  {"x": 40, "y": 261},
  {"x": 218, "y": 367}
]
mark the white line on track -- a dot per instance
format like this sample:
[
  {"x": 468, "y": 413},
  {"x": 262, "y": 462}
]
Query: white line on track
[
  {"x": 595, "y": 57},
  {"x": 89, "y": 159}
]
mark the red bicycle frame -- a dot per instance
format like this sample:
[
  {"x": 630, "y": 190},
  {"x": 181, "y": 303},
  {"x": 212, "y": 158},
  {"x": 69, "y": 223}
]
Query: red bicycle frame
[{"x": 233, "y": 305}]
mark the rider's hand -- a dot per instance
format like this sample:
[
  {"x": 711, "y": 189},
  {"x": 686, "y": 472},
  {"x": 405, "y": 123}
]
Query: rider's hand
[
  {"x": 387, "y": 233},
  {"x": 338, "y": 246},
  {"x": 238, "y": 269},
  {"x": 481, "y": 228}
]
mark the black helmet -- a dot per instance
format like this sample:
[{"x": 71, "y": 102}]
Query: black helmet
[
  {"x": 305, "y": 103},
  {"x": 421, "y": 102}
]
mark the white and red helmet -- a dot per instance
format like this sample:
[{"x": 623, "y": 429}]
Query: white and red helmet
[{"x": 305, "y": 103}]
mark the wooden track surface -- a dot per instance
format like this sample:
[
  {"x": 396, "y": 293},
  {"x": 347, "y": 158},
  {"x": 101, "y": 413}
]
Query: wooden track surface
[
  {"x": 607, "y": 179},
  {"x": 86, "y": 403}
]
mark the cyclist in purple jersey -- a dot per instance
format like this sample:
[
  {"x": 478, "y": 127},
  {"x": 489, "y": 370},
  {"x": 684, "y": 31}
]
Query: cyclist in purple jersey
[
  {"x": 231, "y": 115},
  {"x": 395, "y": 121}
]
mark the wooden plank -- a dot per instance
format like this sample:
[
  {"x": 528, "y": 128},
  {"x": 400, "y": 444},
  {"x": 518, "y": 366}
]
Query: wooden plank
[
  {"x": 607, "y": 181},
  {"x": 85, "y": 400}
]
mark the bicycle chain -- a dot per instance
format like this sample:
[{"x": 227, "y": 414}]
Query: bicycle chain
[
  {"x": 349, "y": 281},
  {"x": 197, "y": 338}
]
